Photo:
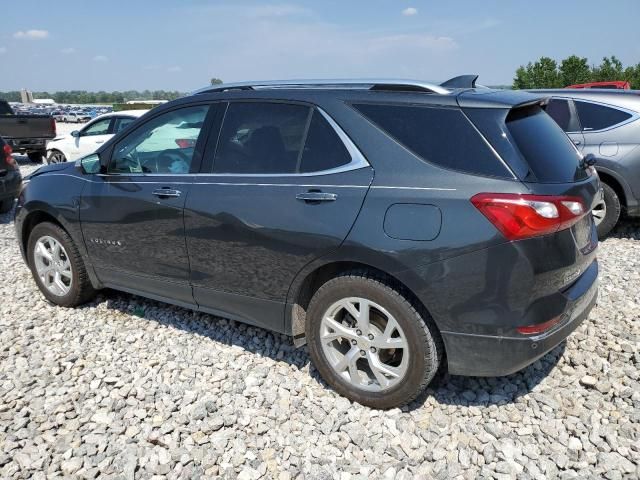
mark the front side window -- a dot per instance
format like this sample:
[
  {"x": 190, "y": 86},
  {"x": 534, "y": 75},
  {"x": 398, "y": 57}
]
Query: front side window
[
  {"x": 101, "y": 127},
  {"x": 165, "y": 144},
  {"x": 598, "y": 117}
]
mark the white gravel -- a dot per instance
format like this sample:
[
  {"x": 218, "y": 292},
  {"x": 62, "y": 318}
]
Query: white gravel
[{"x": 130, "y": 388}]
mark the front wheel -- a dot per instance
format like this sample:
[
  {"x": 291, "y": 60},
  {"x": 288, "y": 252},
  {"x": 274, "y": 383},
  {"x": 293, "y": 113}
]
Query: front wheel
[
  {"x": 370, "y": 343},
  {"x": 607, "y": 212},
  {"x": 56, "y": 156},
  {"x": 57, "y": 266}
]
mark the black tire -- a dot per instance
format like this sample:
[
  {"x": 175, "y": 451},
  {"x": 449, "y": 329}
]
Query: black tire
[
  {"x": 612, "y": 212},
  {"x": 56, "y": 156},
  {"x": 426, "y": 349},
  {"x": 81, "y": 289},
  {"x": 6, "y": 205},
  {"x": 36, "y": 157}
]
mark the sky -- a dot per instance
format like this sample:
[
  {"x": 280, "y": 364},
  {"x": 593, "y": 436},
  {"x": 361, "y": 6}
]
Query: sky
[{"x": 52, "y": 45}]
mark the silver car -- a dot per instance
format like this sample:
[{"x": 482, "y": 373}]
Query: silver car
[{"x": 606, "y": 124}]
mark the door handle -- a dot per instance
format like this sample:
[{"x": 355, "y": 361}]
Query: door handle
[
  {"x": 317, "y": 197},
  {"x": 99, "y": 141},
  {"x": 577, "y": 142},
  {"x": 166, "y": 192}
]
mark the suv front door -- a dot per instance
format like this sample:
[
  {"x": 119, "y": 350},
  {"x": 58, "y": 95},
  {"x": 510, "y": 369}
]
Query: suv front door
[
  {"x": 132, "y": 215},
  {"x": 283, "y": 187}
]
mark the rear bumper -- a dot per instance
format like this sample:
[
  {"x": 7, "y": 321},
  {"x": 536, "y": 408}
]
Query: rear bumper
[
  {"x": 28, "y": 144},
  {"x": 486, "y": 355}
]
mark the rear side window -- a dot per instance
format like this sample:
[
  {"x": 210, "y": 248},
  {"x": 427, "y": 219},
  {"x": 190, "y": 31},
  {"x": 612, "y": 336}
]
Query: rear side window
[
  {"x": 261, "y": 137},
  {"x": 550, "y": 154},
  {"x": 437, "y": 135},
  {"x": 598, "y": 117},
  {"x": 323, "y": 149},
  {"x": 277, "y": 138}
]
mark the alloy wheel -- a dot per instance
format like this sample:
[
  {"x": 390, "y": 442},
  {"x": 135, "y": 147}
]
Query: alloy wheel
[
  {"x": 364, "y": 344},
  {"x": 599, "y": 212},
  {"x": 53, "y": 266}
]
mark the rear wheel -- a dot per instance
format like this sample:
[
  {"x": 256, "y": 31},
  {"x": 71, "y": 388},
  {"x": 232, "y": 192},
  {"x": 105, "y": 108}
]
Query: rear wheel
[
  {"x": 57, "y": 266},
  {"x": 6, "y": 205},
  {"x": 370, "y": 343},
  {"x": 56, "y": 156},
  {"x": 607, "y": 212}
]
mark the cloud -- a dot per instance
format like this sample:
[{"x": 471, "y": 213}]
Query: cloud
[
  {"x": 100, "y": 58},
  {"x": 410, "y": 11},
  {"x": 68, "y": 51},
  {"x": 31, "y": 34},
  {"x": 3, "y": 50},
  {"x": 174, "y": 69}
]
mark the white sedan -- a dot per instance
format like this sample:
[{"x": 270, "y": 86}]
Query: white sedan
[{"x": 77, "y": 144}]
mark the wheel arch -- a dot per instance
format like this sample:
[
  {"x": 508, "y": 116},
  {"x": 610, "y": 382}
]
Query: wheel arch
[
  {"x": 308, "y": 283},
  {"x": 616, "y": 184}
]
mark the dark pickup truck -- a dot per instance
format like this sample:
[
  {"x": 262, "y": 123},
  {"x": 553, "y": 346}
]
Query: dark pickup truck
[{"x": 26, "y": 133}]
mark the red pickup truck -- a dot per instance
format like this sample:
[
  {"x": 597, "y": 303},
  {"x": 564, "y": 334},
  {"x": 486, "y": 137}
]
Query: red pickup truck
[{"x": 618, "y": 85}]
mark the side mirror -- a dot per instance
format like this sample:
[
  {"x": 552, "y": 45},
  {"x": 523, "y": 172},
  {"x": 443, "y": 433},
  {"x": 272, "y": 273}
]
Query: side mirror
[
  {"x": 75, "y": 133},
  {"x": 90, "y": 164}
]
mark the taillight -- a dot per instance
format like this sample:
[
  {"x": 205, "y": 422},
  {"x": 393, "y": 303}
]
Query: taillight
[
  {"x": 8, "y": 158},
  {"x": 519, "y": 216},
  {"x": 53, "y": 126},
  {"x": 540, "y": 327}
]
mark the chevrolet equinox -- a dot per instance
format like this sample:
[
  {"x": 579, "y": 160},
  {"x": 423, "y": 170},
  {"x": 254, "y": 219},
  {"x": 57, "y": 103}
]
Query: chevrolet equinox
[{"x": 395, "y": 227}]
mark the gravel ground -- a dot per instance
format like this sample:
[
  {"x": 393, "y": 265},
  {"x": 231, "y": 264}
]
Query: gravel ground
[{"x": 130, "y": 388}]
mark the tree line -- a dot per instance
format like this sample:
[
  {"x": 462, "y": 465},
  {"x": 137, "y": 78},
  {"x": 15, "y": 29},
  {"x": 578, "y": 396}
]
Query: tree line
[
  {"x": 547, "y": 73},
  {"x": 84, "y": 97}
]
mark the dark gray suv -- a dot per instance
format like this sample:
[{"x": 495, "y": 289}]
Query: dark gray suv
[
  {"x": 395, "y": 227},
  {"x": 605, "y": 123}
]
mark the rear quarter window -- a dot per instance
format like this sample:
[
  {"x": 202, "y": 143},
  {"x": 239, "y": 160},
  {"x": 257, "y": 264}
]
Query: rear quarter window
[
  {"x": 442, "y": 136},
  {"x": 546, "y": 148},
  {"x": 598, "y": 117}
]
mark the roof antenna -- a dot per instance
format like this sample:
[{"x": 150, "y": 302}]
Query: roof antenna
[{"x": 462, "y": 81}]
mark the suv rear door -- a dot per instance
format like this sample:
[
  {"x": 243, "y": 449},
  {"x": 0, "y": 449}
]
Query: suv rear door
[{"x": 282, "y": 186}]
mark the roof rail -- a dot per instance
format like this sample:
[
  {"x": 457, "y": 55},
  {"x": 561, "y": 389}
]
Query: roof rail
[
  {"x": 461, "y": 81},
  {"x": 370, "y": 84}
]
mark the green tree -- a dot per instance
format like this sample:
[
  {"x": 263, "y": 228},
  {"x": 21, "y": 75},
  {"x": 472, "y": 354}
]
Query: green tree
[
  {"x": 632, "y": 75},
  {"x": 216, "y": 81},
  {"x": 544, "y": 73},
  {"x": 523, "y": 77},
  {"x": 574, "y": 70},
  {"x": 609, "y": 70}
]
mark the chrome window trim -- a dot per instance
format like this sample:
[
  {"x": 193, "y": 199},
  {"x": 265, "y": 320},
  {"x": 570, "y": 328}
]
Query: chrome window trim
[{"x": 634, "y": 115}]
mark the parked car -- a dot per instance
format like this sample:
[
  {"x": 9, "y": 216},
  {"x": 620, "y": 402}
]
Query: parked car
[
  {"x": 89, "y": 138},
  {"x": 76, "y": 117},
  {"x": 26, "y": 133},
  {"x": 605, "y": 123},
  {"x": 10, "y": 178},
  {"x": 618, "y": 85},
  {"x": 396, "y": 227}
]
